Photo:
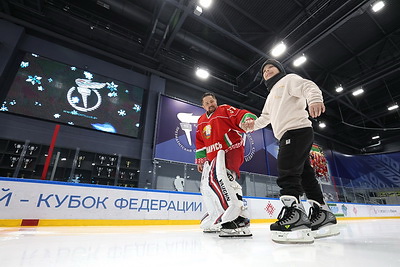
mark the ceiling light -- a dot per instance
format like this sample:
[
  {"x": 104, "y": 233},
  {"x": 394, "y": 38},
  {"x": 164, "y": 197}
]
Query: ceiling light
[
  {"x": 358, "y": 92},
  {"x": 299, "y": 61},
  {"x": 322, "y": 125},
  {"x": 378, "y": 6},
  {"x": 205, "y": 3},
  {"x": 339, "y": 89},
  {"x": 278, "y": 49},
  {"x": 375, "y": 137},
  {"x": 392, "y": 107},
  {"x": 202, "y": 73},
  {"x": 198, "y": 11}
]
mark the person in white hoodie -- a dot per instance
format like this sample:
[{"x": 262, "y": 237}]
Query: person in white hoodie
[{"x": 286, "y": 110}]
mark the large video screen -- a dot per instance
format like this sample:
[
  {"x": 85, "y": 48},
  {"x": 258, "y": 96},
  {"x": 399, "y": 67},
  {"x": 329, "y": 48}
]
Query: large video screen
[{"x": 50, "y": 90}]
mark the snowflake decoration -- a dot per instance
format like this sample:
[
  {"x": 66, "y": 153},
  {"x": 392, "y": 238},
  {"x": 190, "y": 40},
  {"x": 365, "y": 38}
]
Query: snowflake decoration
[
  {"x": 75, "y": 180},
  {"x": 57, "y": 116},
  {"x": 112, "y": 86},
  {"x": 73, "y": 68},
  {"x": 3, "y": 107},
  {"x": 269, "y": 208},
  {"x": 40, "y": 88},
  {"x": 24, "y": 64},
  {"x": 137, "y": 108},
  {"x": 112, "y": 94},
  {"x": 50, "y": 80},
  {"x": 121, "y": 112},
  {"x": 74, "y": 112},
  {"x": 33, "y": 80},
  {"x": 88, "y": 75},
  {"x": 12, "y": 103},
  {"x": 75, "y": 100}
]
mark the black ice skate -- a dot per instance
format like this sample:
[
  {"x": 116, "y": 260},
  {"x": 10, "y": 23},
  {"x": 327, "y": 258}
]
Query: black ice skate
[
  {"x": 293, "y": 225},
  {"x": 323, "y": 221},
  {"x": 236, "y": 228}
]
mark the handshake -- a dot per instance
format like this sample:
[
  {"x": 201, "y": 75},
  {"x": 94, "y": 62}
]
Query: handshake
[{"x": 247, "y": 125}]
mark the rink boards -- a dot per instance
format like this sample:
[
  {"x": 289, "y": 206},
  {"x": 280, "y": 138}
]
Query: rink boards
[{"x": 25, "y": 202}]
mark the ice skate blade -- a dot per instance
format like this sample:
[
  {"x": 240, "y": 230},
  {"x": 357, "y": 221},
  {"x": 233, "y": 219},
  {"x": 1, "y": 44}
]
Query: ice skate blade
[
  {"x": 240, "y": 232},
  {"x": 209, "y": 231},
  {"x": 326, "y": 231},
  {"x": 303, "y": 236}
]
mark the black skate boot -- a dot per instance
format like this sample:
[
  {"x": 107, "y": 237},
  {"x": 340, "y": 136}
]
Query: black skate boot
[
  {"x": 293, "y": 225},
  {"x": 322, "y": 217},
  {"x": 236, "y": 228}
]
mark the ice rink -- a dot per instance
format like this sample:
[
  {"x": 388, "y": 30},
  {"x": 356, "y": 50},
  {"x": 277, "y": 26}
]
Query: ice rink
[{"x": 361, "y": 243}]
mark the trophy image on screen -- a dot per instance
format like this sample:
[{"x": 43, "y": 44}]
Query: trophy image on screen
[{"x": 85, "y": 89}]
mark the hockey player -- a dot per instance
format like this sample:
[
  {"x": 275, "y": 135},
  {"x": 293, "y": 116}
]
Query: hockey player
[
  {"x": 285, "y": 109},
  {"x": 219, "y": 155}
]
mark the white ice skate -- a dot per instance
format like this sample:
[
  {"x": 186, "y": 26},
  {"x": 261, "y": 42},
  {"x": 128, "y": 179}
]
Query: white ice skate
[
  {"x": 323, "y": 221},
  {"x": 237, "y": 228},
  {"x": 293, "y": 225}
]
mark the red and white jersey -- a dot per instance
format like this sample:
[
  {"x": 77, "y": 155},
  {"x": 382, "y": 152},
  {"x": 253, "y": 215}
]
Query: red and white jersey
[{"x": 219, "y": 130}]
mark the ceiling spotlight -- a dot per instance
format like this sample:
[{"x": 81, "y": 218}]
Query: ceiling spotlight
[
  {"x": 339, "y": 89},
  {"x": 299, "y": 61},
  {"x": 198, "y": 10},
  {"x": 322, "y": 124},
  {"x": 392, "y": 107},
  {"x": 358, "y": 92},
  {"x": 378, "y": 6},
  {"x": 375, "y": 137},
  {"x": 205, "y": 3},
  {"x": 202, "y": 73},
  {"x": 278, "y": 49}
]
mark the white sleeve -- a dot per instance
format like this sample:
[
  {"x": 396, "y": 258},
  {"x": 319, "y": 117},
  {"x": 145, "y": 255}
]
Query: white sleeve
[
  {"x": 263, "y": 120},
  {"x": 301, "y": 87}
]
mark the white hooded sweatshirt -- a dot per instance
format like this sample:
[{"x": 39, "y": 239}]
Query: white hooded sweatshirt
[{"x": 285, "y": 107}]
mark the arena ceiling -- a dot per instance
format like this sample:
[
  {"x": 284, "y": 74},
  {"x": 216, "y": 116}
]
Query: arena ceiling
[{"x": 345, "y": 43}]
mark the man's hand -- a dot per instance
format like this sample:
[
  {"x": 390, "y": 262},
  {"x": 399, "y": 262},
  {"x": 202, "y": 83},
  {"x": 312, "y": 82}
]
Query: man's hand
[
  {"x": 248, "y": 125},
  {"x": 200, "y": 168},
  {"x": 316, "y": 109}
]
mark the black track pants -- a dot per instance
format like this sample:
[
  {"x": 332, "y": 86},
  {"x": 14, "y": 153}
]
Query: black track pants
[{"x": 296, "y": 176}]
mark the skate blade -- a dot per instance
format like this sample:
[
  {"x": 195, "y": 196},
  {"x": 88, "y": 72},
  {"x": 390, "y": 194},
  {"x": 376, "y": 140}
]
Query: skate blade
[
  {"x": 209, "y": 231},
  {"x": 293, "y": 237},
  {"x": 240, "y": 232},
  {"x": 326, "y": 231}
]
